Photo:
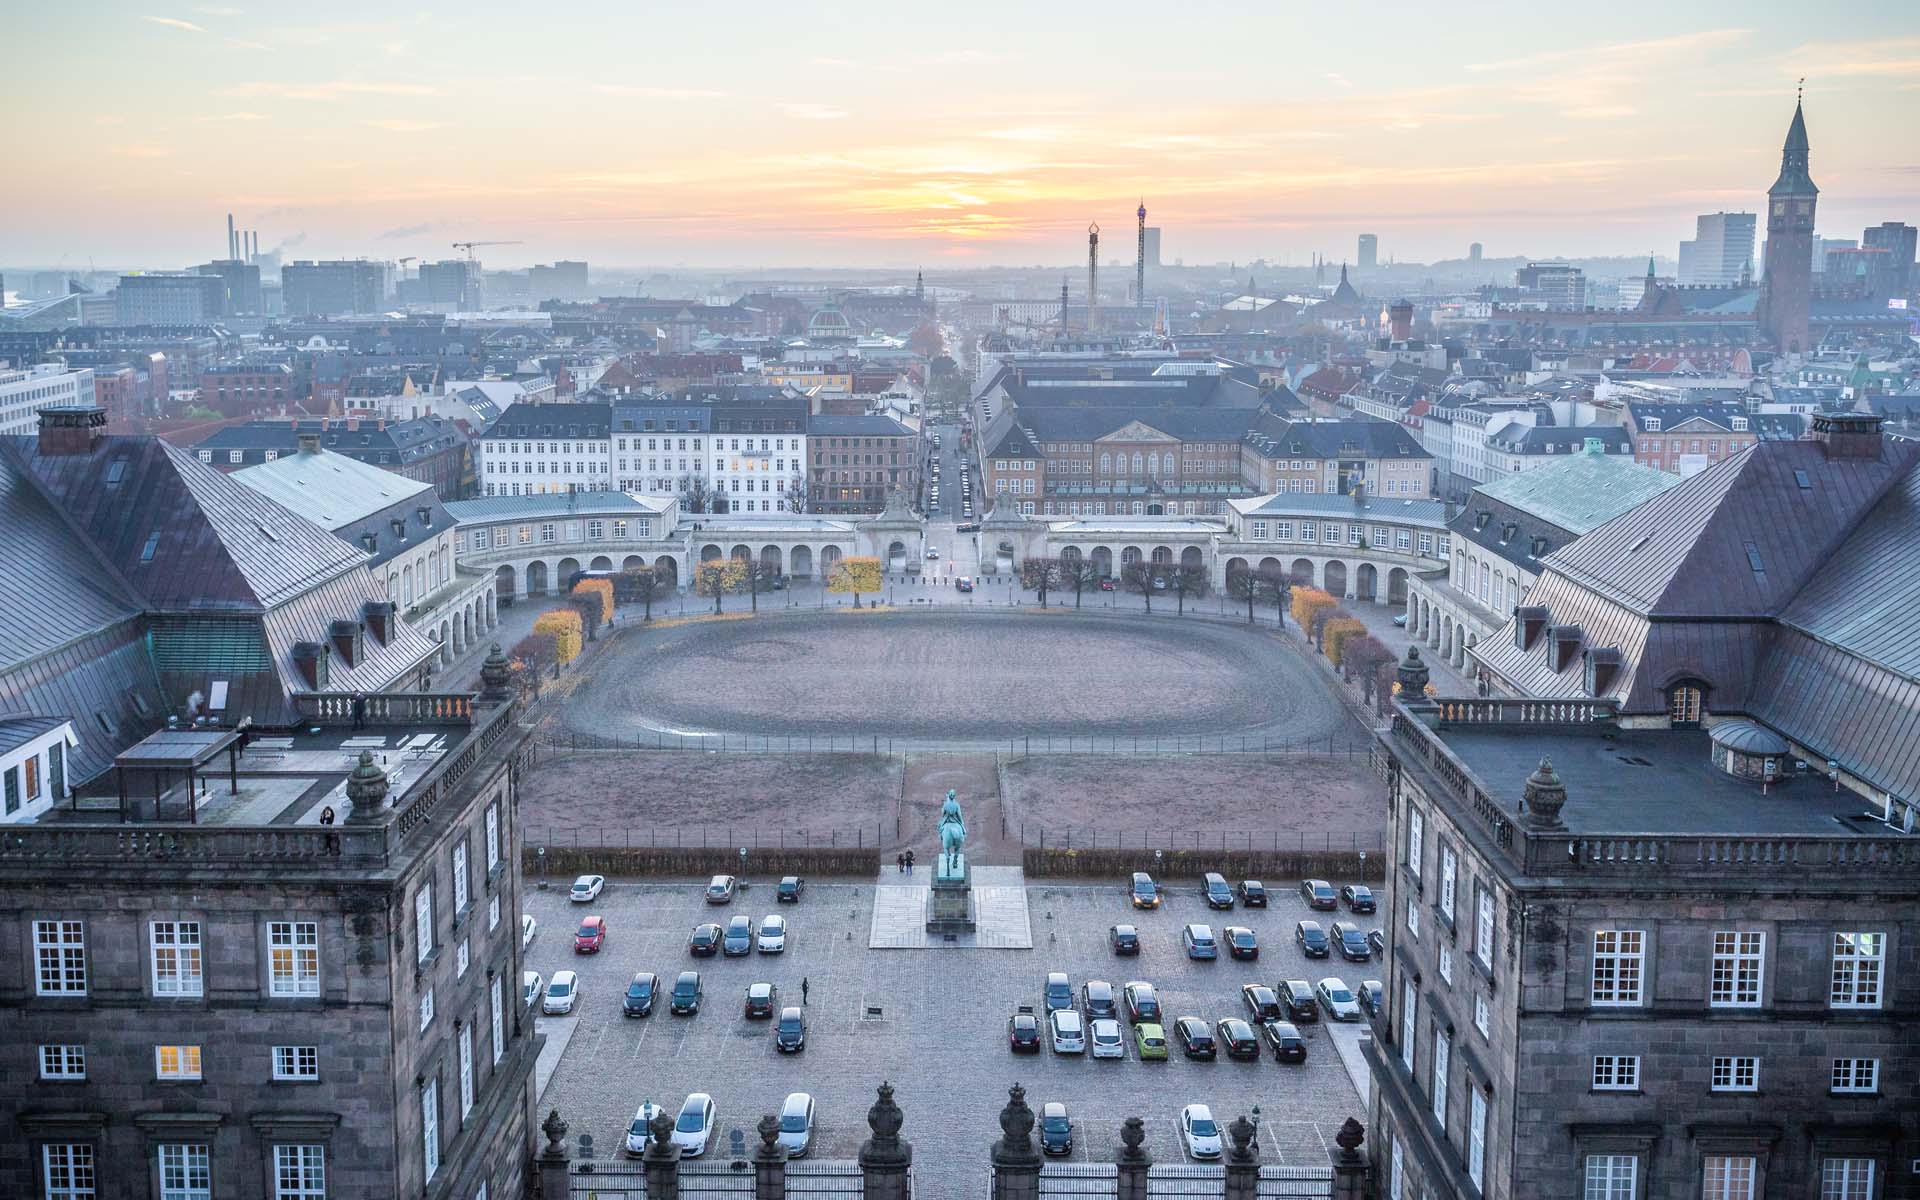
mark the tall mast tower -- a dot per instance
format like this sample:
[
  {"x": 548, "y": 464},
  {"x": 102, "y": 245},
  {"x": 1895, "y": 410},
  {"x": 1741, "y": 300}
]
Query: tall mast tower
[
  {"x": 1140, "y": 257},
  {"x": 1063, "y": 306},
  {"x": 1093, "y": 277}
]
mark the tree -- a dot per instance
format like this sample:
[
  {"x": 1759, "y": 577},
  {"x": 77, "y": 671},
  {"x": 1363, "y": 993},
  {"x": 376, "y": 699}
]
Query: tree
[
  {"x": 717, "y": 576},
  {"x": 1279, "y": 588},
  {"x": 695, "y": 497},
  {"x": 758, "y": 576},
  {"x": 856, "y": 577},
  {"x": 564, "y": 625},
  {"x": 646, "y": 583},
  {"x": 925, "y": 341},
  {"x": 603, "y": 590},
  {"x": 1078, "y": 573},
  {"x": 1187, "y": 581},
  {"x": 1245, "y": 585},
  {"x": 795, "y": 494},
  {"x": 1141, "y": 576},
  {"x": 532, "y": 655},
  {"x": 1040, "y": 575}
]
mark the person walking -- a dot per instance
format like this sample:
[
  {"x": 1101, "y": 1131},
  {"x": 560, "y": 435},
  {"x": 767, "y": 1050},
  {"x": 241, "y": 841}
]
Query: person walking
[
  {"x": 909, "y": 862},
  {"x": 803, "y": 991}
]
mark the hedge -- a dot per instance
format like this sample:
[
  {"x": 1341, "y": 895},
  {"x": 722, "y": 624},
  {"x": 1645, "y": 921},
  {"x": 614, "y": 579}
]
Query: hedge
[
  {"x": 564, "y": 624},
  {"x": 603, "y": 588},
  {"x": 1187, "y": 866},
  {"x": 1338, "y": 633}
]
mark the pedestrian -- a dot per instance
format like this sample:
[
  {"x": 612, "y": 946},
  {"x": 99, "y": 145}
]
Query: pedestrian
[
  {"x": 326, "y": 815},
  {"x": 899, "y": 863},
  {"x": 909, "y": 862},
  {"x": 359, "y": 707},
  {"x": 803, "y": 989}
]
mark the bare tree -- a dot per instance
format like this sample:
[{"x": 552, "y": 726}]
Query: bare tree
[
  {"x": 757, "y": 575},
  {"x": 1079, "y": 574},
  {"x": 1279, "y": 589},
  {"x": 1143, "y": 577},
  {"x": 1245, "y": 585},
  {"x": 695, "y": 496},
  {"x": 1040, "y": 575},
  {"x": 795, "y": 494},
  {"x": 646, "y": 584},
  {"x": 1187, "y": 581}
]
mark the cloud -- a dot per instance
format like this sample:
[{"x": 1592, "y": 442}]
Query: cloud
[
  {"x": 409, "y": 231},
  {"x": 143, "y": 151},
  {"x": 1699, "y": 40},
  {"x": 656, "y": 93},
  {"x": 1337, "y": 79},
  {"x": 236, "y": 116},
  {"x": 330, "y": 90},
  {"x": 175, "y": 23},
  {"x": 401, "y": 125},
  {"x": 1878, "y": 57},
  {"x": 812, "y": 112}
]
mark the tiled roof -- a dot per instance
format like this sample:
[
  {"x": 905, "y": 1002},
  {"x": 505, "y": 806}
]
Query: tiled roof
[{"x": 1581, "y": 492}]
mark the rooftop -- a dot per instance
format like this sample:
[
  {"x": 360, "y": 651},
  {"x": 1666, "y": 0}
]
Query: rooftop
[
  {"x": 558, "y": 504},
  {"x": 1582, "y": 492},
  {"x": 331, "y": 490}
]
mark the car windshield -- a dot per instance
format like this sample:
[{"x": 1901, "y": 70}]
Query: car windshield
[
  {"x": 793, "y": 1123},
  {"x": 1054, "y": 1124},
  {"x": 1339, "y": 995},
  {"x": 639, "y": 1127},
  {"x": 1243, "y": 937},
  {"x": 1203, "y": 1127},
  {"x": 559, "y": 987},
  {"x": 789, "y": 1024},
  {"x": 692, "y": 1120},
  {"x": 589, "y": 929},
  {"x": 637, "y": 989}
]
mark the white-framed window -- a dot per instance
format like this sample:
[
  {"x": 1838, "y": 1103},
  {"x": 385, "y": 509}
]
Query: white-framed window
[
  {"x": 1736, "y": 1073},
  {"x": 466, "y": 1072},
  {"x": 296, "y": 1063},
  {"x": 299, "y": 1172},
  {"x": 493, "y": 836},
  {"x": 1483, "y": 1015},
  {"x": 177, "y": 967},
  {"x": 1728, "y": 1177},
  {"x": 460, "y": 894},
  {"x": 1739, "y": 958},
  {"x": 67, "y": 1168},
  {"x": 1449, "y": 880},
  {"x": 1397, "y": 1187},
  {"x": 1413, "y": 915},
  {"x": 1260, "y": 531},
  {"x": 430, "y": 1126},
  {"x": 1618, "y": 966},
  {"x": 1416, "y": 829},
  {"x": 293, "y": 958},
  {"x": 1483, "y": 929},
  {"x": 185, "y": 1171},
  {"x": 499, "y": 1025},
  {"x": 423, "y": 921},
  {"x": 68, "y": 1061},
  {"x": 1616, "y": 1072},
  {"x": 176, "y": 1062},
  {"x": 1859, "y": 964},
  {"x": 426, "y": 1007},
  {"x": 60, "y": 952},
  {"x": 462, "y": 956},
  {"x": 1446, "y": 961},
  {"x": 1409, "y": 1003},
  {"x": 1612, "y": 1177},
  {"x": 1846, "y": 1179},
  {"x": 493, "y": 913},
  {"x": 1426, "y": 545},
  {"x": 1849, "y": 1074},
  {"x": 1477, "y": 1137},
  {"x": 1442, "y": 1064}
]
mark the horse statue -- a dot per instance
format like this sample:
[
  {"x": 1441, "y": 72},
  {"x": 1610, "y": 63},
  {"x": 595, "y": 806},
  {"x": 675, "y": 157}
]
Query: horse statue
[{"x": 953, "y": 831}]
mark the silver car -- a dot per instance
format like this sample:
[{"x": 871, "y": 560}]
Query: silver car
[
  {"x": 1338, "y": 1000},
  {"x": 796, "y": 1125}
]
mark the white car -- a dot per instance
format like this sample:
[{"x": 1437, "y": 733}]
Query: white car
[
  {"x": 641, "y": 1129},
  {"x": 693, "y": 1129},
  {"x": 562, "y": 991},
  {"x": 773, "y": 934},
  {"x": 796, "y": 1125},
  {"x": 528, "y": 927},
  {"x": 1338, "y": 1000},
  {"x": 932, "y": 552},
  {"x": 1199, "y": 1132},
  {"x": 1108, "y": 1042},
  {"x": 531, "y": 985},
  {"x": 1069, "y": 1035},
  {"x": 587, "y": 887}
]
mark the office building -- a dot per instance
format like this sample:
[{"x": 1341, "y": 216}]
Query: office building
[
  {"x": 171, "y": 298},
  {"x": 320, "y": 289},
  {"x": 454, "y": 283},
  {"x": 47, "y": 385},
  {"x": 1369, "y": 252},
  {"x": 242, "y": 283},
  {"x": 1557, "y": 285},
  {"x": 1721, "y": 252},
  {"x": 1898, "y": 240}
]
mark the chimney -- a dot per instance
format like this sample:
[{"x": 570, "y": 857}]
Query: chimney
[
  {"x": 67, "y": 429},
  {"x": 310, "y": 659},
  {"x": 309, "y": 442},
  {"x": 1400, "y": 320},
  {"x": 353, "y": 424},
  {"x": 1848, "y": 434},
  {"x": 379, "y": 614},
  {"x": 233, "y": 246},
  {"x": 349, "y": 638}
]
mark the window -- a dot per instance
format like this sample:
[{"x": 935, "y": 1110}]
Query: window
[
  {"x": 1446, "y": 962},
  {"x": 1483, "y": 1016},
  {"x": 426, "y": 1008},
  {"x": 1413, "y": 916},
  {"x": 430, "y": 1126},
  {"x": 1616, "y": 1072},
  {"x": 1449, "y": 876},
  {"x": 423, "y": 922},
  {"x": 1398, "y": 1188},
  {"x": 493, "y": 837},
  {"x": 1684, "y": 704},
  {"x": 60, "y": 949},
  {"x": 1738, "y": 958},
  {"x": 68, "y": 1169},
  {"x": 185, "y": 1173},
  {"x": 1736, "y": 1073},
  {"x": 176, "y": 1062},
  {"x": 1260, "y": 531},
  {"x": 1849, "y": 1074},
  {"x": 1409, "y": 1001},
  {"x": 1483, "y": 929},
  {"x": 462, "y": 957},
  {"x": 1477, "y": 1137},
  {"x": 70, "y": 1062},
  {"x": 499, "y": 1028},
  {"x": 176, "y": 958},
  {"x": 1442, "y": 1063},
  {"x": 1727, "y": 1177},
  {"x": 1416, "y": 827},
  {"x": 1617, "y": 961},
  {"x": 1846, "y": 1179},
  {"x": 493, "y": 914},
  {"x": 466, "y": 1072},
  {"x": 1612, "y": 1177},
  {"x": 460, "y": 896},
  {"x": 1859, "y": 960},
  {"x": 296, "y": 1062},
  {"x": 293, "y": 950},
  {"x": 299, "y": 1173}
]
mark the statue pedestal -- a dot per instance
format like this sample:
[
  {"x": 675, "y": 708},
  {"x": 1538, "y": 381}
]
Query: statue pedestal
[{"x": 950, "y": 900}]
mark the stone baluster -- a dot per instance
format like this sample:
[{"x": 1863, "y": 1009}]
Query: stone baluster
[
  {"x": 1133, "y": 1161},
  {"x": 661, "y": 1161},
  {"x": 886, "y": 1159},
  {"x": 553, "y": 1166},
  {"x": 770, "y": 1162},
  {"x": 1349, "y": 1168},
  {"x": 1243, "y": 1158},
  {"x": 1016, "y": 1161}
]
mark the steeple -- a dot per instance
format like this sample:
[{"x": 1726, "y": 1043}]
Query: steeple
[
  {"x": 1794, "y": 179},
  {"x": 1345, "y": 293},
  {"x": 1649, "y": 270}
]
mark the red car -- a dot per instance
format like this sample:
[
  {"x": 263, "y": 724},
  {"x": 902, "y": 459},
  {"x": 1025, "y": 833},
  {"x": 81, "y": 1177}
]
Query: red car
[{"x": 592, "y": 935}]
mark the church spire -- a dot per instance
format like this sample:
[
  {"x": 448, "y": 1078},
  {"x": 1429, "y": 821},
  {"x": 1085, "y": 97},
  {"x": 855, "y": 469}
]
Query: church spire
[{"x": 1794, "y": 179}]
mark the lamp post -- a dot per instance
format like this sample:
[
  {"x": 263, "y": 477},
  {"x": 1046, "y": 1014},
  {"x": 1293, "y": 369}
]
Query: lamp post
[{"x": 743, "y": 862}]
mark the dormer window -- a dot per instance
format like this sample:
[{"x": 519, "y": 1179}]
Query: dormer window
[
  {"x": 371, "y": 541},
  {"x": 1740, "y": 425},
  {"x": 1482, "y": 518},
  {"x": 425, "y": 515},
  {"x": 399, "y": 528},
  {"x": 1653, "y": 424}
]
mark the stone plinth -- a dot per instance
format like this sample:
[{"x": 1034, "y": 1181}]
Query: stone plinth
[{"x": 950, "y": 899}]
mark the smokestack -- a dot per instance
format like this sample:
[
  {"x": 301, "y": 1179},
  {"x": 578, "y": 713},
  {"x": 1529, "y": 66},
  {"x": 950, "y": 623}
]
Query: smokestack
[
  {"x": 1093, "y": 276},
  {"x": 233, "y": 247}
]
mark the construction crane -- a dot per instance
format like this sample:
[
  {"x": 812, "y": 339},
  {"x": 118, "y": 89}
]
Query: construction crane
[
  {"x": 404, "y": 260},
  {"x": 468, "y": 246}
]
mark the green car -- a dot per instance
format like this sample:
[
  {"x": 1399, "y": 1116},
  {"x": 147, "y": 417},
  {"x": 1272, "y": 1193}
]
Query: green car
[{"x": 1151, "y": 1041}]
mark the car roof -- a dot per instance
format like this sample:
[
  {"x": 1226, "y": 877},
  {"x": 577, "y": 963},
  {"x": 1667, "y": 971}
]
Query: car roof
[
  {"x": 1213, "y": 875},
  {"x": 773, "y": 919},
  {"x": 796, "y": 1103},
  {"x": 1295, "y": 983},
  {"x": 1200, "y": 927},
  {"x": 696, "y": 1100},
  {"x": 565, "y": 974},
  {"x": 792, "y": 879},
  {"x": 1099, "y": 985},
  {"x": 760, "y": 989},
  {"x": 596, "y": 919},
  {"x": 1257, "y": 988},
  {"x": 1139, "y": 875},
  {"x": 689, "y": 977},
  {"x": 1332, "y": 981},
  {"x": 719, "y": 879},
  {"x": 790, "y": 1013},
  {"x": 1054, "y": 977},
  {"x": 585, "y": 878},
  {"x": 1053, "y": 1108},
  {"x": 1103, "y": 1024},
  {"x": 1066, "y": 1016},
  {"x": 641, "y": 976},
  {"x": 1199, "y": 1110}
]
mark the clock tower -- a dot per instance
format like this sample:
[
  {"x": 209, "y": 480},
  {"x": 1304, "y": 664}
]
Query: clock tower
[{"x": 1786, "y": 288}]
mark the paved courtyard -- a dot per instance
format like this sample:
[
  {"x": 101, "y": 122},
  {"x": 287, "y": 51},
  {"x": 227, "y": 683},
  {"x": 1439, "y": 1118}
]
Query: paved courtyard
[{"x": 932, "y": 1021}]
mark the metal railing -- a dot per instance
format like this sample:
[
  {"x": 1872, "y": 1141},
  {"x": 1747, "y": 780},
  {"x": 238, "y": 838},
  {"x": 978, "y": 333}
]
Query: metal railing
[
  {"x": 384, "y": 708},
  {"x": 705, "y": 837},
  {"x": 1329, "y": 746},
  {"x": 1248, "y": 840}
]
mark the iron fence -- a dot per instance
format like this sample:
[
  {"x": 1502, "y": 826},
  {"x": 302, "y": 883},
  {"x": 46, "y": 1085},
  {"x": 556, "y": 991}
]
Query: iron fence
[
  {"x": 1285, "y": 1183},
  {"x": 715, "y": 837},
  {"x": 1273, "y": 841},
  {"x": 892, "y": 746},
  {"x": 827, "y": 1178},
  {"x": 1098, "y": 1180},
  {"x": 607, "y": 1181},
  {"x": 729, "y": 1177}
]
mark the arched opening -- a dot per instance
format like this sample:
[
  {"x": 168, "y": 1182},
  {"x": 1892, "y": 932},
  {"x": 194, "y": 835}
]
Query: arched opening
[
  {"x": 632, "y": 562},
  {"x": 536, "y": 578},
  {"x": 740, "y": 553},
  {"x": 1337, "y": 578},
  {"x": 667, "y": 570},
  {"x": 1192, "y": 557},
  {"x": 600, "y": 563},
  {"x": 1129, "y": 556},
  {"x": 1686, "y": 702},
  {"x": 802, "y": 561},
  {"x": 446, "y": 643},
  {"x": 1270, "y": 568},
  {"x": 1236, "y": 567},
  {"x": 1163, "y": 556},
  {"x": 829, "y": 559},
  {"x": 569, "y": 567},
  {"x": 770, "y": 557},
  {"x": 709, "y": 552},
  {"x": 1103, "y": 560},
  {"x": 1366, "y": 581},
  {"x": 1070, "y": 557},
  {"x": 1156, "y": 510},
  {"x": 1397, "y": 586},
  {"x": 896, "y": 556},
  {"x": 1303, "y": 571},
  {"x": 503, "y": 584}
]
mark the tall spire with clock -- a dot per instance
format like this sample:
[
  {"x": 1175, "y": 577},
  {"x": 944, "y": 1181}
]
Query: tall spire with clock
[{"x": 1787, "y": 285}]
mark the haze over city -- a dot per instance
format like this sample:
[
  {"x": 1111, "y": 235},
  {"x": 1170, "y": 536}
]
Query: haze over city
[{"x": 792, "y": 136}]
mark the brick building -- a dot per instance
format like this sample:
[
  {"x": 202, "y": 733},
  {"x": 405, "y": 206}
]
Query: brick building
[
  {"x": 854, "y": 463},
  {"x": 246, "y": 389},
  {"x": 1684, "y": 438}
]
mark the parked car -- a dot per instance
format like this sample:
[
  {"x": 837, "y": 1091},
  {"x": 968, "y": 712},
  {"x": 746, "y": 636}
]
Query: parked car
[
  {"x": 739, "y": 937},
  {"x": 1236, "y": 1036},
  {"x": 1261, "y": 1002},
  {"x": 1337, "y": 999},
  {"x": 1069, "y": 1033},
  {"x": 1124, "y": 939},
  {"x": 773, "y": 934},
  {"x": 640, "y": 1129},
  {"x": 1319, "y": 894},
  {"x": 1056, "y": 1131},
  {"x": 720, "y": 889},
  {"x": 587, "y": 887},
  {"x": 933, "y": 552},
  {"x": 1058, "y": 993},
  {"x": 1150, "y": 1042},
  {"x": 1352, "y": 943},
  {"x": 705, "y": 941},
  {"x": 1358, "y": 897},
  {"x": 592, "y": 936},
  {"x": 1196, "y": 1040},
  {"x": 1312, "y": 939},
  {"x": 531, "y": 986},
  {"x": 1283, "y": 1038},
  {"x": 1296, "y": 997},
  {"x": 761, "y": 998},
  {"x": 1109, "y": 1041},
  {"x": 1376, "y": 941},
  {"x": 1107, "y": 583},
  {"x": 789, "y": 893},
  {"x": 693, "y": 1129},
  {"x": 1253, "y": 893},
  {"x": 1023, "y": 1031},
  {"x": 686, "y": 997},
  {"x": 1217, "y": 893},
  {"x": 1241, "y": 943},
  {"x": 1198, "y": 1132},
  {"x": 528, "y": 929},
  {"x": 1145, "y": 893},
  {"x": 790, "y": 1033},
  {"x": 963, "y": 584},
  {"x": 1199, "y": 943},
  {"x": 1097, "y": 998},
  {"x": 796, "y": 1125},
  {"x": 1373, "y": 997},
  {"x": 638, "y": 1002},
  {"x": 563, "y": 992},
  {"x": 1141, "y": 1001}
]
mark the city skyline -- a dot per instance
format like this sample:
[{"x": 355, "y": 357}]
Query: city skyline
[{"x": 916, "y": 140}]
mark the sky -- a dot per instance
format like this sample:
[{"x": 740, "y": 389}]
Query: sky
[{"x": 907, "y": 134}]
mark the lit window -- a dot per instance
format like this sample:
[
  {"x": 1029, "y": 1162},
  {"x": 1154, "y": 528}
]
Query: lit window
[
  {"x": 176, "y": 1062},
  {"x": 1728, "y": 1177},
  {"x": 293, "y": 950}
]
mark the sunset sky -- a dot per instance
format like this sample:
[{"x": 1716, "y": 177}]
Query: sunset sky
[{"x": 896, "y": 134}]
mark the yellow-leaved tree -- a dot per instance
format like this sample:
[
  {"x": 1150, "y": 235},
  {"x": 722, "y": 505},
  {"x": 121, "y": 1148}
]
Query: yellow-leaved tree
[
  {"x": 855, "y": 577},
  {"x": 603, "y": 588},
  {"x": 564, "y": 626},
  {"x": 718, "y": 576}
]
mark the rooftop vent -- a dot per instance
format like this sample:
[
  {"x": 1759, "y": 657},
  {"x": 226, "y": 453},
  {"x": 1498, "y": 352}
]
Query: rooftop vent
[
  {"x": 67, "y": 429},
  {"x": 379, "y": 619},
  {"x": 349, "y": 638}
]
